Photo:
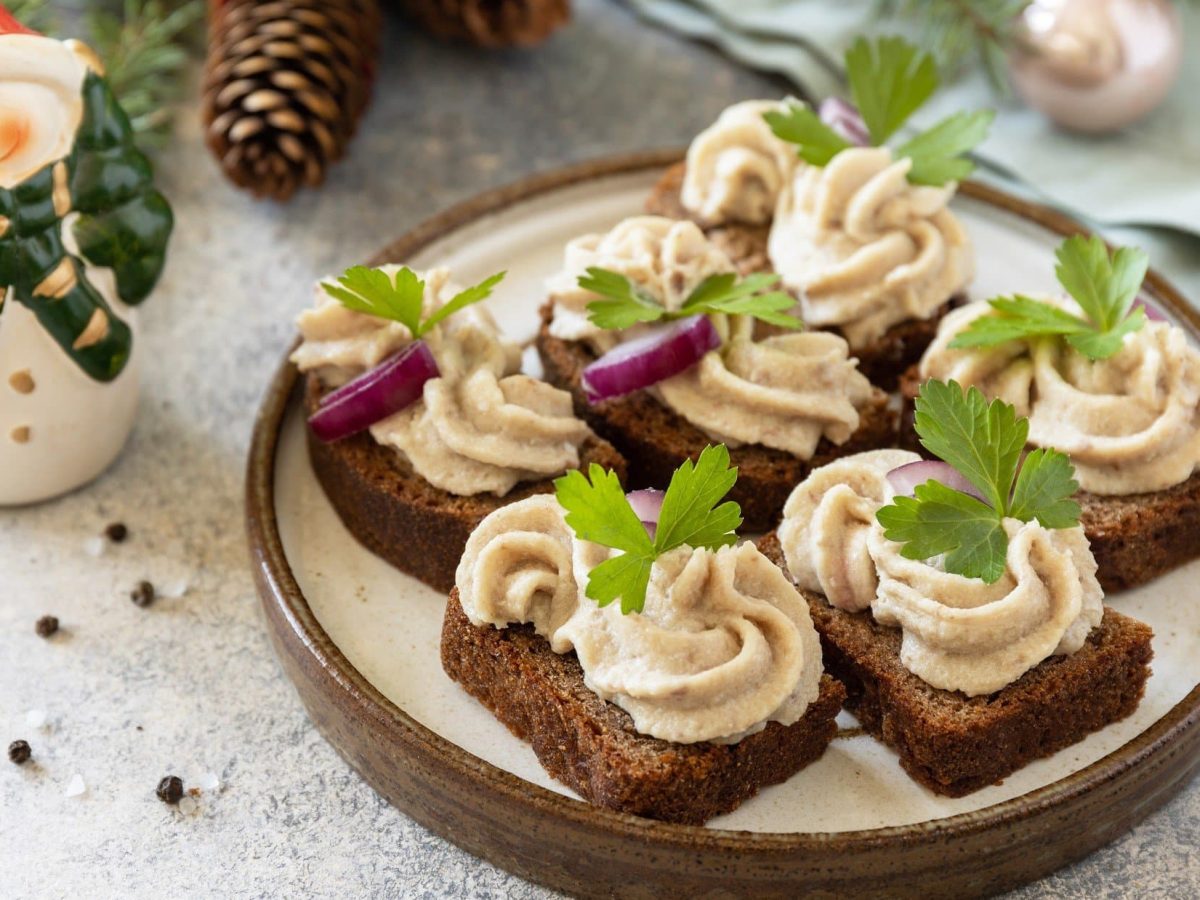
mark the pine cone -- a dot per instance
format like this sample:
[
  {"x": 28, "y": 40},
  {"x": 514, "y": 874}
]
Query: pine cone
[
  {"x": 491, "y": 23},
  {"x": 285, "y": 84}
]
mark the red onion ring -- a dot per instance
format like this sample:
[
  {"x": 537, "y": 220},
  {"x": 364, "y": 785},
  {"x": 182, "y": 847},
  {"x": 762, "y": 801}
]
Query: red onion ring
[
  {"x": 906, "y": 478},
  {"x": 388, "y": 388},
  {"x": 844, "y": 118},
  {"x": 648, "y": 360},
  {"x": 647, "y": 503},
  {"x": 1153, "y": 313}
]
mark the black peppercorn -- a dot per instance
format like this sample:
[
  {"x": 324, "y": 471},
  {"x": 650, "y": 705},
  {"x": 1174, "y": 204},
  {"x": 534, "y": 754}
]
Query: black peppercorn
[
  {"x": 170, "y": 789},
  {"x": 46, "y": 626},
  {"x": 143, "y": 594},
  {"x": 19, "y": 752},
  {"x": 116, "y": 532}
]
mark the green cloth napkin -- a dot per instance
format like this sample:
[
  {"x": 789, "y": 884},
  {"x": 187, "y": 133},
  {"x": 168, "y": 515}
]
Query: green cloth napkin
[{"x": 1139, "y": 186}]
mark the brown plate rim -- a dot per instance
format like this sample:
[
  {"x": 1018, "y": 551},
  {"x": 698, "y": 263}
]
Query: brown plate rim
[{"x": 296, "y": 631}]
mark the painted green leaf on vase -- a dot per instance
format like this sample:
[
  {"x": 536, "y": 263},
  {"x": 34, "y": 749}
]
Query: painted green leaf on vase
[{"x": 122, "y": 223}]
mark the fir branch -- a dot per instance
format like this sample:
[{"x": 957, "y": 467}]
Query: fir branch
[
  {"x": 143, "y": 50},
  {"x": 35, "y": 14},
  {"x": 144, "y": 45},
  {"x": 960, "y": 33}
]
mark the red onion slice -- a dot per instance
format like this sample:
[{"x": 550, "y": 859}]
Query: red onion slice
[
  {"x": 388, "y": 388},
  {"x": 844, "y": 118},
  {"x": 648, "y": 360},
  {"x": 1153, "y": 313},
  {"x": 647, "y": 504},
  {"x": 904, "y": 480}
]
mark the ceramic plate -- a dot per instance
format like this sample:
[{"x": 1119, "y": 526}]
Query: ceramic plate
[{"x": 361, "y": 641}]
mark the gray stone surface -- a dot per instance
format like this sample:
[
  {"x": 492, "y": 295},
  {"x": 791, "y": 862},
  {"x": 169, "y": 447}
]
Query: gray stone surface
[{"x": 190, "y": 685}]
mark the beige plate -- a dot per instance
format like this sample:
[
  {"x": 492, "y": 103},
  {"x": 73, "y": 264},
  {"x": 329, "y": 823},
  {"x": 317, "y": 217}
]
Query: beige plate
[{"x": 360, "y": 642}]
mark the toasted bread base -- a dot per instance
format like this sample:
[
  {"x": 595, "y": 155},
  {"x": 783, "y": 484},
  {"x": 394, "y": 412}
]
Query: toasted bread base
[
  {"x": 954, "y": 744},
  {"x": 1135, "y": 537},
  {"x": 591, "y": 746},
  {"x": 655, "y": 440},
  {"x": 882, "y": 361},
  {"x": 398, "y": 515}
]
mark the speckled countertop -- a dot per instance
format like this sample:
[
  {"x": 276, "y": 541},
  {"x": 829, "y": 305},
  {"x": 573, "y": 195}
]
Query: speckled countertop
[{"x": 190, "y": 685}]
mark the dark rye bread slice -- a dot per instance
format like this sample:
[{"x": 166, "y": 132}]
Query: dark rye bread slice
[
  {"x": 882, "y": 361},
  {"x": 1134, "y": 537},
  {"x": 954, "y": 744},
  {"x": 591, "y": 745},
  {"x": 396, "y": 514},
  {"x": 654, "y": 439}
]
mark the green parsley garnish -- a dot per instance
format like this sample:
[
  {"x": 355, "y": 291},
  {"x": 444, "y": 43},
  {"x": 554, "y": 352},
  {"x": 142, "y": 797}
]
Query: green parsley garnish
[
  {"x": 401, "y": 299},
  {"x": 983, "y": 441},
  {"x": 890, "y": 80},
  {"x": 627, "y": 304},
  {"x": 692, "y": 514},
  {"x": 1105, "y": 289}
]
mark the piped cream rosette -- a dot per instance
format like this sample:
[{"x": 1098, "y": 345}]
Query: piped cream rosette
[
  {"x": 481, "y": 426},
  {"x": 1130, "y": 423},
  {"x": 864, "y": 248},
  {"x": 787, "y": 391},
  {"x": 723, "y": 645},
  {"x": 959, "y": 634},
  {"x": 737, "y": 168}
]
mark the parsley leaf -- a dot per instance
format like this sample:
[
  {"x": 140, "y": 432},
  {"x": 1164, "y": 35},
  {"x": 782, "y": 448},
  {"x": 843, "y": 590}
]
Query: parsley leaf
[
  {"x": 402, "y": 298},
  {"x": 1105, "y": 289},
  {"x": 937, "y": 153},
  {"x": 462, "y": 300},
  {"x": 370, "y": 291},
  {"x": 938, "y": 519},
  {"x": 725, "y": 294},
  {"x": 1043, "y": 490},
  {"x": 692, "y": 512},
  {"x": 816, "y": 142},
  {"x": 597, "y": 510},
  {"x": 890, "y": 79},
  {"x": 983, "y": 441},
  {"x": 626, "y": 304}
]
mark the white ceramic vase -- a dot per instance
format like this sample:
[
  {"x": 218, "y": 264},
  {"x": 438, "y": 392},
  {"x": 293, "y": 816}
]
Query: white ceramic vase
[{"x": 59, "y": 428}]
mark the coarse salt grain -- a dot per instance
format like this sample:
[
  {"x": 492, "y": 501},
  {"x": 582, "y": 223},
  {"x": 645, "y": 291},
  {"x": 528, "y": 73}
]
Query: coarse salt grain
[
  {"x": 35, "y": 718},
  {"x": 209, "y": 781},
  {"x": 76, "y": 787},
  {"x": 187, "y": 805},
  {"x": 173, "y": 590},
  {"x": 95, "y": 546}
]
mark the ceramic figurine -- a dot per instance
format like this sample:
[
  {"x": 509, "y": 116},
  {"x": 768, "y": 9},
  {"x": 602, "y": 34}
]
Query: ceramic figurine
[{"x": 83, "y": 236}]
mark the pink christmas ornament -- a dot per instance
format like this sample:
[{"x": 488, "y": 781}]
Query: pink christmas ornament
[{"x": 1097, "y": 65}]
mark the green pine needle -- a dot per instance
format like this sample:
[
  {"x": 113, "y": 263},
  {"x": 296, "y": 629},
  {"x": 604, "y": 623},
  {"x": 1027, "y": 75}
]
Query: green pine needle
[
  {"x": 35, "y": 14},
  {"x": 961, "y": 33},
  {"x": 693, "y": 515},
  {"x": 144, "y": 52},
  {"x": 145, "y": 46}
]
